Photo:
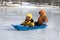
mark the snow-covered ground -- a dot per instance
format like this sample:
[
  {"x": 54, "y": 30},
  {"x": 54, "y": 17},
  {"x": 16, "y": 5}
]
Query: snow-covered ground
[{"x": 16, "y": 15}]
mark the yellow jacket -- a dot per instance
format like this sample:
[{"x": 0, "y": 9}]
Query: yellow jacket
[{"x": 28, "y": 23}]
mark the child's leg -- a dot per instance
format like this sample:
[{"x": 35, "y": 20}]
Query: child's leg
[{"x": 37, "y": 24}]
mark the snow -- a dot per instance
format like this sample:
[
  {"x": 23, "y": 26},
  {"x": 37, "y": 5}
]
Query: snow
[{"x": 16, "y": 15}]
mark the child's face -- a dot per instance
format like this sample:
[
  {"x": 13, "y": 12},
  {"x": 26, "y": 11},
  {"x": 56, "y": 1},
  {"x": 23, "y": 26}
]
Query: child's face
[{"x": 27, "y": 18}]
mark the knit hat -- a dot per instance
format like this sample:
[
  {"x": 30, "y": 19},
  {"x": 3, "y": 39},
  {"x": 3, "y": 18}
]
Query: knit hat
[{"x": 29, "y": 14}]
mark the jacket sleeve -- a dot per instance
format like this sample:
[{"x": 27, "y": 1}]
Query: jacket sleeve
[
  {"x": 23, "y": 23},
  {"x": 32, "y": 24}
]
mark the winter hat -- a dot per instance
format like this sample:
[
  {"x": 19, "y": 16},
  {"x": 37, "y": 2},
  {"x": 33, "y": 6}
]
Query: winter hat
[{"x": 29, "y": 14}]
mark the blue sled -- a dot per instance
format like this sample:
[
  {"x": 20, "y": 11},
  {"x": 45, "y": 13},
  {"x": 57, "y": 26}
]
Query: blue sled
[{"x": 21, "y": 27}]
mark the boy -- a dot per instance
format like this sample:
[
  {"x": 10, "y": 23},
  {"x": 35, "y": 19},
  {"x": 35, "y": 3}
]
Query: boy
[{"x": 29, "y": 21}]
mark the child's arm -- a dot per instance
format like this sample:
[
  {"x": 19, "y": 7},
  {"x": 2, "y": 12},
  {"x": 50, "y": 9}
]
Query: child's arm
[
  {"x": 23, "y": 23},
  {"x": 32, "y": 24}
]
